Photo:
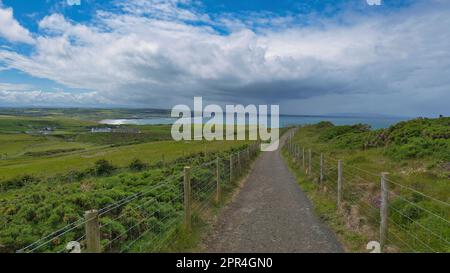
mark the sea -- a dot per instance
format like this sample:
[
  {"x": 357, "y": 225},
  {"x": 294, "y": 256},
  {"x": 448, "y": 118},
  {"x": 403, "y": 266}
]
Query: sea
[{"x": 284, "y": 120}]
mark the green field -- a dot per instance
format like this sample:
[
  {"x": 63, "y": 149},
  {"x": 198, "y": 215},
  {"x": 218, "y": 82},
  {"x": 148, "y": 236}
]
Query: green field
[
  {"x": 70, "y": 146},
  {"x": 49, "y": 177}
]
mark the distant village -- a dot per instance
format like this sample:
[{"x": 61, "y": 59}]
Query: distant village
[
  {"x": 128, "y": 130},
  {"x": 119, "y": 129},
  {"x": 42, "y": 131}
]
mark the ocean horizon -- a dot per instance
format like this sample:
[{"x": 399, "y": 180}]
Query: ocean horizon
[{"x": 376, "y": 122}]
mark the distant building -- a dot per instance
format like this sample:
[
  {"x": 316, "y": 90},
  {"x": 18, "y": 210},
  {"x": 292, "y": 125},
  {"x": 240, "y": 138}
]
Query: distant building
[
  {"x": 101, "y": 130},
  {"x": 46, "y": 130},
  {"x": 128, "y": 130},
  {"x": 43, "y": 131}
]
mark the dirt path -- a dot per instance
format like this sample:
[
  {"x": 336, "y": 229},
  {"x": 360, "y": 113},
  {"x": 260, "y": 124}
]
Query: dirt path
[{"x": 270, "y": 214}]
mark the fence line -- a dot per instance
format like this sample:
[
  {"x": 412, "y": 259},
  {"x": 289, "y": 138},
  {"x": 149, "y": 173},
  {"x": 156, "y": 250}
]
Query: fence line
[
  {"x": 408, "y": 220},
  {"x": 153, "y": 213}
]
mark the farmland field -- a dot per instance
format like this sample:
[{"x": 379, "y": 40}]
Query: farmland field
[
  {"x": 70, "y": 146},
  {"x": 53, "y": 168}
]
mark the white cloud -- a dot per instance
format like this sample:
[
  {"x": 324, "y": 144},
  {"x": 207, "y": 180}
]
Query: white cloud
[
  {"x": 24, "y": 94},
  {"x": 11, "y": 30},
  {"x": 152, "y": 58}
]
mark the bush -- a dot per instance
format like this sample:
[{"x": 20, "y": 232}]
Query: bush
[
  {"x": 18, "y": 182},
  {"x": 324, "y": 124},
  {"x": 137, "y": 165},
  {"x": 336, "y": 131},
  {"x": 411, "y": 139},
  {"x": 103, "y": 167},
  {"x": 402, "y": 132},
  {"x": 420, "y": 147},
  {"x": 405, "y": 213}
]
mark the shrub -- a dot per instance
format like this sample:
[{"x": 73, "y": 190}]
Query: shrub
[
  {"x": 336, "y": 131},
  {"x": 137, "y": 165},
  {"x": 324, "y": 124},
  {"x": 411, "y": 139},
  {"x": 103, "y": 167},
  {"x": 405, "y": 213},
  {"x": 18, "y": 182},
  {"x": 420, "y": 147}
]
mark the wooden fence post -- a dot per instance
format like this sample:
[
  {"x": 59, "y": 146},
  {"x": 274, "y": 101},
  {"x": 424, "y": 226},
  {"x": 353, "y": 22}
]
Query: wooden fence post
[
  {"x": 231, "y": 168},
  {"x": 92, "y": 229},
  {"x": 384, "y": 210},
  {"x": 339, "y": 186},
  {"x": 293, "y": 152},
  {"x": 321, "y": 168},
  {"x": 218, "y": 186},
  {"x": 309, "y": 162},
  {"x": 187, "y": 199},
  {"x": 239, "y": 162},
  {"x": 303, "y": 158}
]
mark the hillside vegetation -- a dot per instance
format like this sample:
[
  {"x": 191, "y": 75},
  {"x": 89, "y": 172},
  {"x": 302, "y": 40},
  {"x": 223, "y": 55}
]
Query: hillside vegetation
[
  {"x": 415, "y": 153},
  {"x": 53, "y": 169},
  {"x": 414, "y": 139},
  {"x": 31, "y": 208}
]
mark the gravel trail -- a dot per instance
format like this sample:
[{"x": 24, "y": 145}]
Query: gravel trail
[{"x": 270, "y": 214}]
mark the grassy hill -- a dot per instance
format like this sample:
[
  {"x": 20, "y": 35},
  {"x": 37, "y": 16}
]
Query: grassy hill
[
  {"x": 414, "y": 139},
  {"x": 48, "y": 180},
  {"x": 415, "y": 153}
]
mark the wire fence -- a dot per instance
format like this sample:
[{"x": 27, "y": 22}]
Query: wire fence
[
  {"x": 146, "y": 220},
  {"x": 407, "y": 220}
]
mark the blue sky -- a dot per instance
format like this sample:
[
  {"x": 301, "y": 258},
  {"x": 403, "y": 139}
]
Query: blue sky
[{"x": 310, "y": 56}]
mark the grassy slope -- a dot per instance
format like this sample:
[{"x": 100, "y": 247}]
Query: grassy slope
[
  {"x": 119, "y": 156},
  {"x": 426, "y": 174},
  {"x": 37, "y": 207},
  {"x": 72, "y": 147}
]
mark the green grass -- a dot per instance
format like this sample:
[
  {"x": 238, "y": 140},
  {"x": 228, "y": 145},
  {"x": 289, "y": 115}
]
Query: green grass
[
  {"x": 418, "y": 222},
  {"x": 33, "y": 209},
  {"x": 18, "y": 124},
  {"x": 48, "y": 181},
  {"x": 176, "y": 239},
  {"x": 120, "y": 156},
  {"x": 17, "y": 145},
  {"x": 71, "y": 147},
  {"x": 326, "y": 209}
]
